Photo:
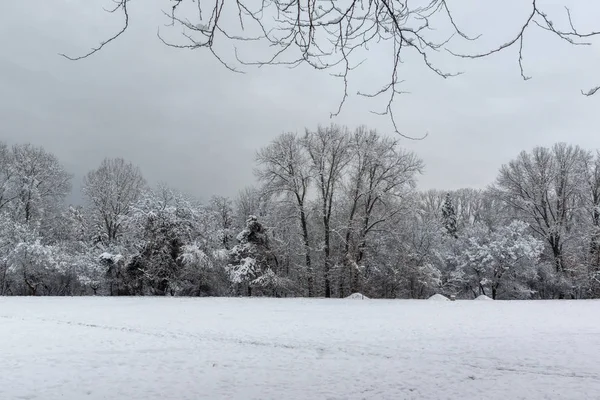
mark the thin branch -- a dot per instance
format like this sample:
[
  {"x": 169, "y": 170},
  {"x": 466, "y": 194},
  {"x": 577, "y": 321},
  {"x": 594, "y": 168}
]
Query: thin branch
[
  {"x": 591, "y": 92},
  {"x": 122, "y": 5},
  {"x": 326, "y": 35}
]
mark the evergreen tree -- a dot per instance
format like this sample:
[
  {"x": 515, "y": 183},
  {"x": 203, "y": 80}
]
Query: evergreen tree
[
  {"x": 449, "y": 217},
  {"x": 252, "y": 261}
]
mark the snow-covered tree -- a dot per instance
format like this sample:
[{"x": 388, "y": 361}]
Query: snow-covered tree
[
  {"x": 117, "y": 277},
  {"x": 329, "y": 153},
  {"x": 337, "y": 210},
  {"x": 33, "y": 183},
  {"x": 222, "y": 209},
  {"x": 503, "y": 262},
  {"x": 162, "y": 222},
  {"x": 449, "y": 217},
  {"x": 27, "y": 266},
  {"x": 284, "y": 171},
  {"x": 32, "y": 264},
  {"x": 8, "y": 184},
  {"x": 91, "y": 268},
  {"x": 200, "y": 274},
  {"x": 252, "y": 258},
  {"x": 591, "y": 208},
  {"x": 111, "y": 190},
  {"x": 543, "y": 187},
  {"x": 8, "y": 241},
  {"x": 380, "y": 176},
  {"x": 250, "y": 201}
]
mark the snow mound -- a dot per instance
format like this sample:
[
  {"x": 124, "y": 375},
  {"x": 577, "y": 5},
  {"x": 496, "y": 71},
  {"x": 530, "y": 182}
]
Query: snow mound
[
  {"x": 483, "y": 297},
  {"x": 357, "y": 296},
  {"x": 113, "y": 258},
  {"x": 439, "y": 297}
]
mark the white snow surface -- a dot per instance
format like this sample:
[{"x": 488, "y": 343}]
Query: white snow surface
[
  {"x": 357, "y": 296},
  {"x": 439, "y": 297},
  {"x": 483, "y": 297},
  {"x": 190, "y": 349}
]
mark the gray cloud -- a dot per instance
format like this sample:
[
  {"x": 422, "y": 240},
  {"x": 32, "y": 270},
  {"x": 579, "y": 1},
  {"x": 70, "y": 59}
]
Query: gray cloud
[{"x": 185, "y": 119}]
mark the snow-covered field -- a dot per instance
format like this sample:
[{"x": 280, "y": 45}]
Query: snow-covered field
[{"x": 169, "y": 348}]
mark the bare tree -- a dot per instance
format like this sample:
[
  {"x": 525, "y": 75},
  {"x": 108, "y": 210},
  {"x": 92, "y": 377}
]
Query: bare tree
[
  {"x": 285, "y": 171},
  {"x": 40, "y": 182},
  {"x": 111, "y": 190},
  {"x": 591, "y": 202},
  {"x": 469, "y": 204},
  {"x": 543, "y": 186},
  {"x": 329, "y": 153},
  {"x": 249, "y": 201},
  {"x": 329, "y": 35},
  {"x": 222, "y": 207},
  {"x": 7, "y": 192},
  {"x": 380, "y": 174},
  {"x": 429, "y": 203}
]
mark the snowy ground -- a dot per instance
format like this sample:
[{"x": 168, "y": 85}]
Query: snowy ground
[{"x": 151, "y": 348}]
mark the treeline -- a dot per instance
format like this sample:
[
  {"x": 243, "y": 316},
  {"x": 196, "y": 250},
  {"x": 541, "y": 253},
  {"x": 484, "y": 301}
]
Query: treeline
[{"x": 335, "y": 212}]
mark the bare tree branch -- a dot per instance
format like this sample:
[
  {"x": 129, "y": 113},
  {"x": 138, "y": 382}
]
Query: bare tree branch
[
  {"x": 571, "y": 36},
  {"x": 591, "y": 92},
  {"x": 329, "y": 34},
  {"x": 121, "y": 4}
]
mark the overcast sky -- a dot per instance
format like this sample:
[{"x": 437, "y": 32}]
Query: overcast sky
[{"x": 186, "y": 120}]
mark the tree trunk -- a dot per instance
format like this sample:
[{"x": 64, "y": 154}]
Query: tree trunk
[
  {"x": 595, "y": 241},
  {"x": 311, "y": 284},
  {"x": 327, "y": 253},
  {"x": 28, "y": 207},
  {"x": 32, "y": 287},
  {"x": 354, "y": 283},
  {"x": 3, "y": 283},
  {"x": 556, "y": 246}
]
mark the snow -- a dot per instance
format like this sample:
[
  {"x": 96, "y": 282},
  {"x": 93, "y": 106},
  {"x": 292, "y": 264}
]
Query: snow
[
  {"x": 483, "y": 297},
  {"x": 357, "y": 296},
  {"x": 439, "y": 297},
  {"x": 115, "y": 258},
  {"x": 237, "y": 348}
]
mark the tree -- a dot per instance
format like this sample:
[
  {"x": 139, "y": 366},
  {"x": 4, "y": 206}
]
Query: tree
[
  {"x": 252, "y": 261},
  {"x": 405, "y": 261},
  {"x": 380, "y": 175},
  {"x": 9, "y": 237},
  {"x": 117, "y": 278},
  {"x": 161, "y": 224},
  {"x": 33, "y": 264},
  {"x": 591, "y": 203},
  {"x": 329, "y": 153},
  {"x": 503, "y": 259},
  {"x": 200, "y": 273},
  {"x": 39, "y": 183},
  {"x": 332, "y": 36},
  {"x": 249, "y": 201},
  {"x": 543, "y": 188},
  {"x": 469, "y": 206},
  {"x": 91, "y": 268},
  {"x": 284, "y": 171},
  {"x": 449, "y": 217},
  {"x": 223, "y": 210},
  {"x": 533, "y": 234},
  {"x": 111, "y": 190},
  {"x": 8, "y": 190},
  {"x": 33, "y": 186}
]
